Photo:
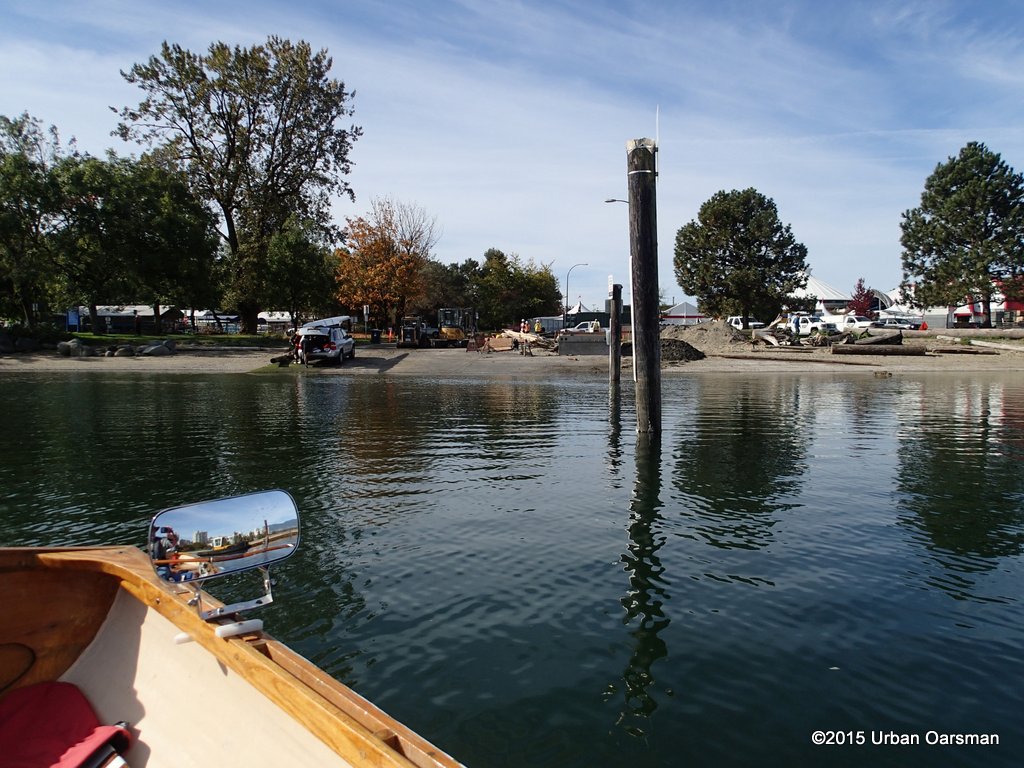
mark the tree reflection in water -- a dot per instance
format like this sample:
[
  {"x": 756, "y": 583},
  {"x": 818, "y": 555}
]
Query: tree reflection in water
[{"x": 967, "y": 443}]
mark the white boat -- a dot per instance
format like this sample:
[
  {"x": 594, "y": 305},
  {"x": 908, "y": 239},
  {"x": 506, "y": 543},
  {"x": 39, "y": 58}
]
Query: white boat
[{"x": 190, "y": 680}]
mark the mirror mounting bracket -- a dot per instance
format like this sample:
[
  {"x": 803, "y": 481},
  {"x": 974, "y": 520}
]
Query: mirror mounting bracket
[{"x": 228, "y": 610}]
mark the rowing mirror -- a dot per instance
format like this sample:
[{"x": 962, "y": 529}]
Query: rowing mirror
[{"x": 217, "y": 538}]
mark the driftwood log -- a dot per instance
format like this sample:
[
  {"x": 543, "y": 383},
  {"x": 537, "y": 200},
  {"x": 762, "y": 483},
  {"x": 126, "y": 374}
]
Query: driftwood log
[
  {"x": 877, "y": 349},
  {"x": 882, "y": 339},
  {"x": 963, "y": 351},
  {"x": 764, "y": 336},
  {"x": 996, "y": 345}
]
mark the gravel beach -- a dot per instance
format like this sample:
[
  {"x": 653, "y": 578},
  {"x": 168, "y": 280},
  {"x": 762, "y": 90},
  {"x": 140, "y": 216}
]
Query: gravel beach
[{"x": 724, "y": 351}]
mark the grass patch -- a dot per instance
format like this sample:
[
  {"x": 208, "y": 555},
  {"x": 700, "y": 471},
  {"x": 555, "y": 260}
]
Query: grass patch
[{"x": 186, "y": 339}]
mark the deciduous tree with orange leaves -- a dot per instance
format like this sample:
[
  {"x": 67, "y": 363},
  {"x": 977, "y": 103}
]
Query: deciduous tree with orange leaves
[{"x": 382, "y": 262}]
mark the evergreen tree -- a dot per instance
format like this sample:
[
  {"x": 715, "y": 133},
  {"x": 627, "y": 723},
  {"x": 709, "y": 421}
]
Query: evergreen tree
[
  {"x": 738, "y": 258},
  {"x": 965, "y": 242}
]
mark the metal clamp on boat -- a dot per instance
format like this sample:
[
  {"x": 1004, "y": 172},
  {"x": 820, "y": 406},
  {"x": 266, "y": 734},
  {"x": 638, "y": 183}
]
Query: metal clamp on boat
[{"x": 196, "y": 543}]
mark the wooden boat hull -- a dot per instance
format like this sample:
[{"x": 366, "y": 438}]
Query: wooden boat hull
[{"x": 99, "y": 618}]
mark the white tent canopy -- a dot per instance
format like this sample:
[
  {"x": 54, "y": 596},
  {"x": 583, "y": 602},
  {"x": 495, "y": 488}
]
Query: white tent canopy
[
  {"x": 821, "y": 290},
  {"x": 577, "y": 309},
  {"x": 896, "y": 309}
]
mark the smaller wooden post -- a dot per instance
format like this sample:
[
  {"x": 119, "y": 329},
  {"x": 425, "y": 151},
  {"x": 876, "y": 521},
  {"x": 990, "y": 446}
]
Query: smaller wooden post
[{"x": 615, "y": 340}]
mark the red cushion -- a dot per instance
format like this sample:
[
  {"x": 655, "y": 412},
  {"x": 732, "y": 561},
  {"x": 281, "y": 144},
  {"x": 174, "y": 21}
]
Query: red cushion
[{"x": 52, "y": 724}]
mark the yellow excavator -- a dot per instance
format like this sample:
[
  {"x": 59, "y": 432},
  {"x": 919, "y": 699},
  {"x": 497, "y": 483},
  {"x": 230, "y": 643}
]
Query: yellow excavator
[{"x": 455, "y": 327}]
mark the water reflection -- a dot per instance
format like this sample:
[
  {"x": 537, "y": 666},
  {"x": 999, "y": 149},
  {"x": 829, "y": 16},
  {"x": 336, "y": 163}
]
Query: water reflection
[
  {"x": 614, "y": 456},
  {"x": 960, "y": 481},
  {"x": 502, "y": 566},
  {"x": 743, "y": 459},
  {"x": 645, "y": 601}
]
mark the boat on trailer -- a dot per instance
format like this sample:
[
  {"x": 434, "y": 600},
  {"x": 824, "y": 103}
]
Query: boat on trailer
[{"x": 114, "y": 656}]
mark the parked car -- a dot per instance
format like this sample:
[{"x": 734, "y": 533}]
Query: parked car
[
  {"x": 896, "y": 323},
  {"x": 320, "y": 342},
  {"x": 736, "y": 321}
]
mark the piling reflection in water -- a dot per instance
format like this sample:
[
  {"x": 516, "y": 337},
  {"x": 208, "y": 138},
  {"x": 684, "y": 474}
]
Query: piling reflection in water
[{"x": 645, "y": 601}]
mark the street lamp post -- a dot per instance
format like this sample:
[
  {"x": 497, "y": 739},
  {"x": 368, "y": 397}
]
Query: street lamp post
[{"x": 565, "y": 303}]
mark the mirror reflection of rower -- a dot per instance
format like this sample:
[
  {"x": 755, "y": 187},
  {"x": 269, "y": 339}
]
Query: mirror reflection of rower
[{"x": 226, "y": 536}]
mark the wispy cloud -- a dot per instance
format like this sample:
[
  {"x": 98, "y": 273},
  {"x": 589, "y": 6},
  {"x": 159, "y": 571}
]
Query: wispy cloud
[{"x": 508, "y": 120}]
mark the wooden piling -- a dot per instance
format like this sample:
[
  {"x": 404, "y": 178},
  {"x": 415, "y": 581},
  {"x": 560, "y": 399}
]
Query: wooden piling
[
  {"x": 615, "y": 341},
  {"x": 643, "y": 252}
]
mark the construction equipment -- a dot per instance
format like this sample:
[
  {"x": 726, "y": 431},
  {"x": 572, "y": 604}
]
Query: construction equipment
[
  {"x": 455, "y": 327},
  {"x": 413, "y": 333}
]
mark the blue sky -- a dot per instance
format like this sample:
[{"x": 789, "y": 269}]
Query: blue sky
[{"x": 508, "y": 121}]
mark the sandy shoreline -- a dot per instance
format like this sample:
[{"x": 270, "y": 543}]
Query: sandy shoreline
[{"x": 384, "y": 359}]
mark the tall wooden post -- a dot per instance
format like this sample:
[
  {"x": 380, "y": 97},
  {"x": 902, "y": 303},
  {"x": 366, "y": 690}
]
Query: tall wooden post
[
  {"x": 615, "y": 341},
  {"x": 643, "y": 256}
]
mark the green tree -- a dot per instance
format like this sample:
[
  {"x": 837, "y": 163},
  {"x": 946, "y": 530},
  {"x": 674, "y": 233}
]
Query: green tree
[
  {"x": 542, "y": 294},
  {"x": 301, "y": 272},
  {"x": 738, "y": 258},
  {"x": 28, "y": 199},
  {"x": 172, "y": 254},
  {"x": 129, "y": 231},
  {"x": 259, "y": 133},
  {"x": 508, "y": 289},
  {"x": 965, "y": 241},
  {"x": 446, "y": 285},
  {"x": 92, "y": 238}
]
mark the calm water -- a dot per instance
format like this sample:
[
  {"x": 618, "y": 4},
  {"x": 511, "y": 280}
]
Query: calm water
[{"x": 503, "y": 568}]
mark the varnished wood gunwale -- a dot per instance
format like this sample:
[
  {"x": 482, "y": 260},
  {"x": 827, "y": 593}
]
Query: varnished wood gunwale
[{"x": 352, "y": 727}]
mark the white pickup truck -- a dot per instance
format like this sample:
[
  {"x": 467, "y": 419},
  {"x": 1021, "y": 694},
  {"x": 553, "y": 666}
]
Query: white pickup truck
[
  {"x": 856, "y": 323},
  {"x": 736, "y": 321},
  {"x": 809, "y": 324},
  {"x": 590, "y": 326}
]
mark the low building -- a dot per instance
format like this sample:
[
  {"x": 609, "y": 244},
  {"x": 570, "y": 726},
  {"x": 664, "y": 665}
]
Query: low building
[
  {"x": 273, "y": 322},
  {"x": 684, "y": 313},
  {"x": 133, "y": 318},
  {"x": 1005, "y": 312}
]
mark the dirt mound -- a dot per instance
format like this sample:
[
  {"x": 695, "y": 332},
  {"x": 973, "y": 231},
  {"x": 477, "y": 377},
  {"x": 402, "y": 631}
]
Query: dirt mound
[
  {"x": 677, "y": 351},
  {"x": 711, "y": 338}
]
